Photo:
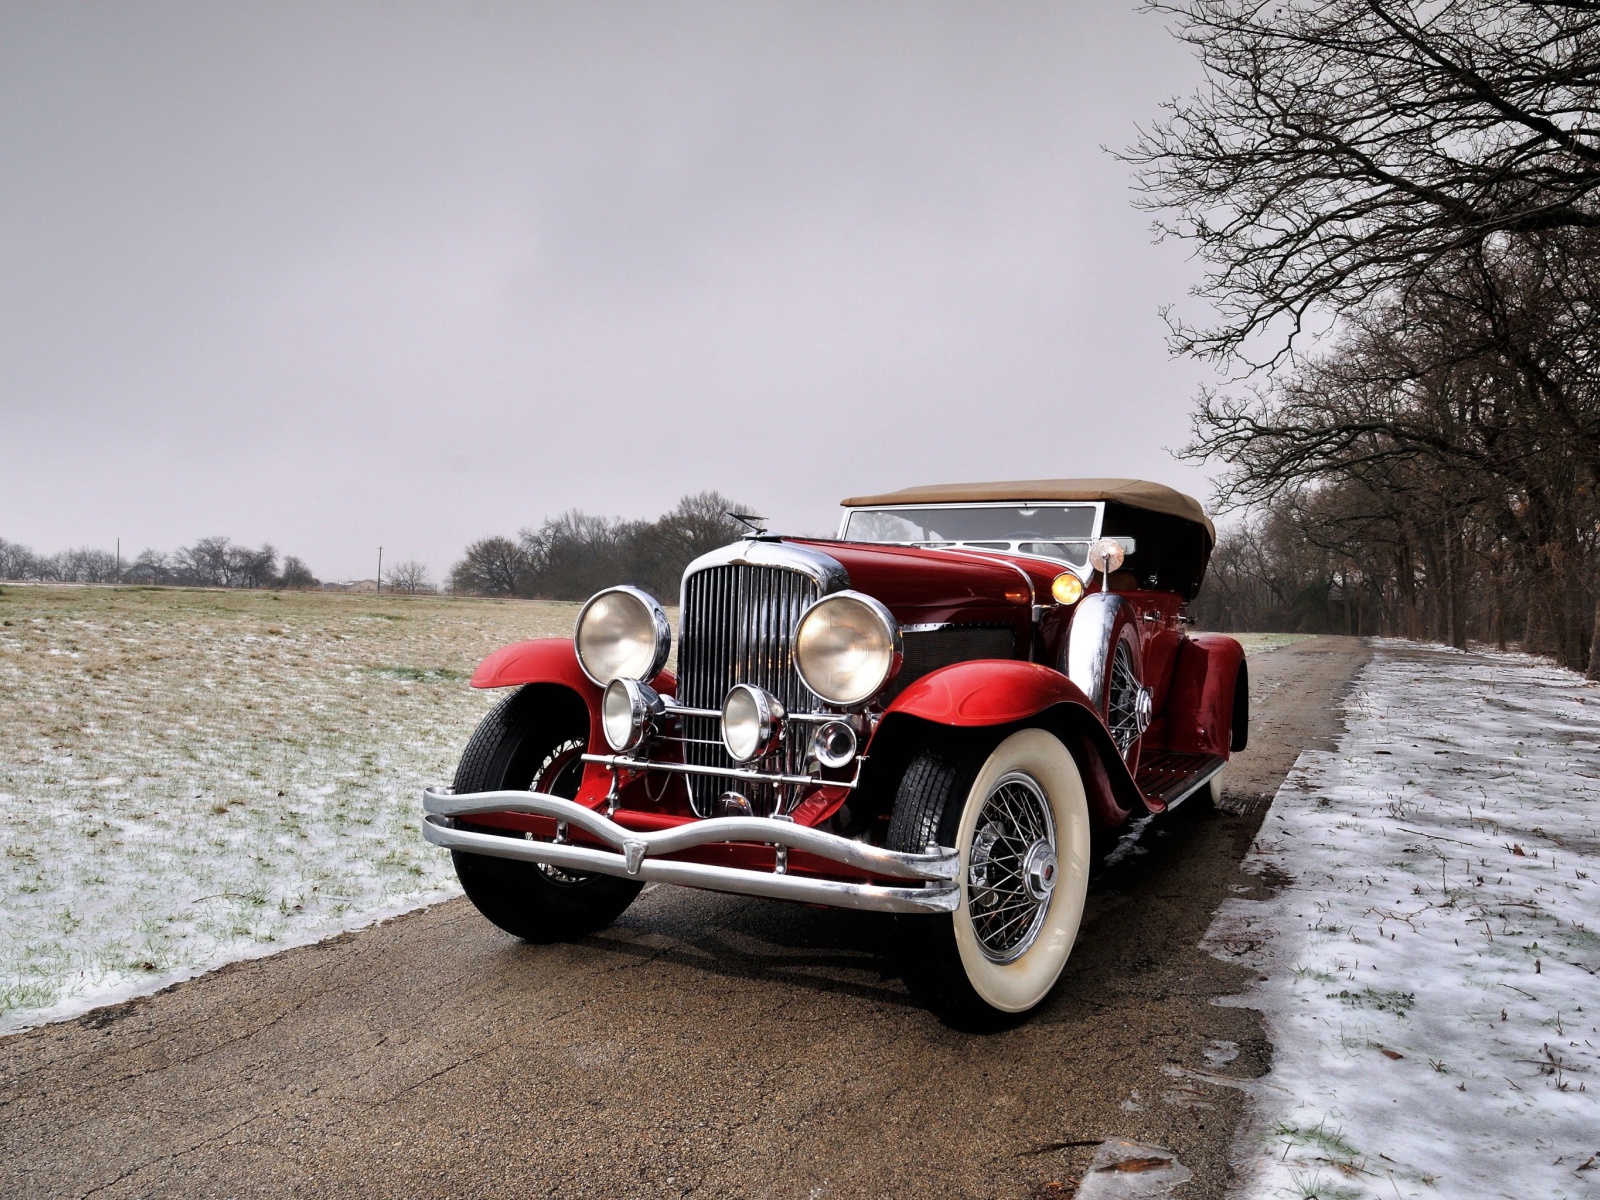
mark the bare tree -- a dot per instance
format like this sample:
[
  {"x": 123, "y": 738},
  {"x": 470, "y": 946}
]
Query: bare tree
[
  {"x": 296, "y": 575},
  {"x": 151, "y": 567},
  {"x": 84, "y": 565},
  {"x": 410, "y": 577},
  {"x": 1423, "y": 181},
  {"x": 1340, "y": 147},
  {"x": 17, "y": 562},
  {"x": 248, "y": 568},
  {"x": 575, "y": 554},
  {"x": 204, "y": 564},
  {"x": 492, "y": 566}
]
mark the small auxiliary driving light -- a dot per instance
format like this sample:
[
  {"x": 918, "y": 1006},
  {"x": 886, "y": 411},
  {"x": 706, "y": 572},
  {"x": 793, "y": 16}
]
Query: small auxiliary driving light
[
  {"x": 752, "y": 722},
  {"x": 628, "y": 713},
  {"x": 1067, "y": 588}
]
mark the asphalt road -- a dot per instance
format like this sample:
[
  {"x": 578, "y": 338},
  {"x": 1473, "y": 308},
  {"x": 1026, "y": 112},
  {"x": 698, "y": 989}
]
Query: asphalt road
[{"x": 705, "y": 1045}]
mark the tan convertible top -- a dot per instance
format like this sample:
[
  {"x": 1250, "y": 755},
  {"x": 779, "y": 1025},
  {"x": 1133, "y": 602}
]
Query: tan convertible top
[{"x": 1135, "y": 493}]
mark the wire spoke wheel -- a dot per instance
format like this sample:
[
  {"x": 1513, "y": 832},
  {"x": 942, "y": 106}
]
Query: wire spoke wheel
[
  {"x": 1127, "y": 700},
  {"x": 1011, "y": 870},
  {"x": 533, "y": 740},
  {"x": 1016, "y": 811},
  {"x": 560, "y": 773}
]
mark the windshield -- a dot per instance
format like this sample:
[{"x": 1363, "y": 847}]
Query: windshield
[{"x": 1059, "y": 531}]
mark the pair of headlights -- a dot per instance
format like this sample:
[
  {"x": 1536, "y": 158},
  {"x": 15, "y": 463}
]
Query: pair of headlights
[{"x": 846, "y": 646}]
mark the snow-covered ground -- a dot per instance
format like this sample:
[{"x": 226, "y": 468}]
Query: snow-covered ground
[
  {"x": 192, "y": 777},
  {"x": 1431, "y": 961}
]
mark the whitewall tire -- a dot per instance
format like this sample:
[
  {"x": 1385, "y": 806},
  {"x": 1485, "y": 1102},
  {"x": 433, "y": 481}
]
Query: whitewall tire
[{"x": 1017, "y": 812}]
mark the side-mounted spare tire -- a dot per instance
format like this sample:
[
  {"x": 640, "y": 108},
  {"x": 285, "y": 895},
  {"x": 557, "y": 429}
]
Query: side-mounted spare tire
[
  {"x": 1015, "y": 809},
  {"x": 532, "y": 741}
]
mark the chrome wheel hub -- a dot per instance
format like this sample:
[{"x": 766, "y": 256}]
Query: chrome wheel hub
[
  {"x": 1011, "y": 867},
  {"x": 1039, "y": 870}
]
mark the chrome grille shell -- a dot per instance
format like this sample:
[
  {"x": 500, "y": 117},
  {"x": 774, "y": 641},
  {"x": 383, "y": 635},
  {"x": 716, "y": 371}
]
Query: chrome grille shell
[{"x": 737, "y": 617}]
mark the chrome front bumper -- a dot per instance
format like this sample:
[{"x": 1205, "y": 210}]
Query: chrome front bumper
[{"x": 931, "y": 877}]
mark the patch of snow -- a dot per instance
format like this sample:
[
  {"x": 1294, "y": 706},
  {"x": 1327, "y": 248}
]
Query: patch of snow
[
  {"x": 151, "y": 830},
  {"x": 1125, "y": 1170},
  {"x": 1431, "y": 966}
]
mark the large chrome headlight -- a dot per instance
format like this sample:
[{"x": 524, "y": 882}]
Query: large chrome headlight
[
  {"x": 622, "y": 634},
  {"x": 847, "y": 647}
]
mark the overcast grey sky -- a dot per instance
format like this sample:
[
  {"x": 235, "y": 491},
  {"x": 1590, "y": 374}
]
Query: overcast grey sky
[{"x": 337, "y": 275}]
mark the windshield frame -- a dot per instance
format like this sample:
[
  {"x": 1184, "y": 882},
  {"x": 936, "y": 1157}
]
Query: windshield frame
[{"x": 1083, "y": 571}]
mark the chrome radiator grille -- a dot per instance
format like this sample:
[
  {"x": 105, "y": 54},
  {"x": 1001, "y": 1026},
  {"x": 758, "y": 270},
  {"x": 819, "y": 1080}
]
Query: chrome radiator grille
[{"x": 737, "y": 626}]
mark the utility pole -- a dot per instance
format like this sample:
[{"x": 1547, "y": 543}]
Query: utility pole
[
  {"x": 380, "y": 569},
  {"x": 119, "y": 560}
]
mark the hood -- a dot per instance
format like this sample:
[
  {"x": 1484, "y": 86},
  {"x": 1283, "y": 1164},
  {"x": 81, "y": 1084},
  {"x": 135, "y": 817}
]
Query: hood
[{"x": 922, "y": 586}]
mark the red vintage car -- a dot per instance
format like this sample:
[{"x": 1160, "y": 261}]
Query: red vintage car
[{"x": 944, "y": 713}]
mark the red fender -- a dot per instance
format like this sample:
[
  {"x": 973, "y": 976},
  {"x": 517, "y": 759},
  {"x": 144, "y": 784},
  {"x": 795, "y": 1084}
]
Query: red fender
[
  {"x": 1004, "y": 692},
  {"x": 543, "y": 660},
  {"x": 1201, "y": 702},
  {"x": 990, "y": 691},
  {"x": 554, "y": 661},
  {"x": 549, "y": 660}
]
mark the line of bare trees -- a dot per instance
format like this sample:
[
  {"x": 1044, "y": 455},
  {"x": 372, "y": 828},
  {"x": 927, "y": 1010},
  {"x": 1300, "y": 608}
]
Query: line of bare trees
[
  {"x": 210, "y": 562},
  {"x": 1398, "y": 208},
  {"x": 574, "y": 555}
]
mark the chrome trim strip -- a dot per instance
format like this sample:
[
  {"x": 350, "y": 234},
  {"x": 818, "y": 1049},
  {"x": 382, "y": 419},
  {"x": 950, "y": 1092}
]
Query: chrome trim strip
[
  {"x": 942, "y": 864},
  {"x": 825, "y": 571},
  {"x": 814, "y": 718},
  {"x": 615, "y": 761},
  {"x": 1195, "y": 785}
]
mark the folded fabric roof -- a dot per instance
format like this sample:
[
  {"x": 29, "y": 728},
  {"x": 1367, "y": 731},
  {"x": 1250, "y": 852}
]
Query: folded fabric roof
[{"x": 1135, "y": 493}]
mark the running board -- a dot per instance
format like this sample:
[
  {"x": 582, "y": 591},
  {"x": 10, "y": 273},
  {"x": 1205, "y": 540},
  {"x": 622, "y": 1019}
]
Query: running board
[{"x": 1171, "y": 778}]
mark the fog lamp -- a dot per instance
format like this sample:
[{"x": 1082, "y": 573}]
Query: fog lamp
[
  {"x": 752, "y": 722},
  {"x": 628, "y": 713}
]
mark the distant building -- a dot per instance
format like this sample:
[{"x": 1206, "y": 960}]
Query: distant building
[{"x": 352, "y": 585}]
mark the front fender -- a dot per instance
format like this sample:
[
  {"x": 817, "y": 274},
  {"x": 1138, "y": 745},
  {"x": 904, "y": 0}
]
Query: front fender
[
  {"x": 553, "y": 662},
  {"x": 998, "y": 692},
  {"x": 990, "y": 691},
  {"x": 549, "y": 660}
]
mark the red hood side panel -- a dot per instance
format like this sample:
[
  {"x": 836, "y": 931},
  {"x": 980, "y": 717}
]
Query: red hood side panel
[{"x": 929, "y": 586}]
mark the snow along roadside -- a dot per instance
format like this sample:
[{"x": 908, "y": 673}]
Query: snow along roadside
[{"x": 1431, "y": 963}]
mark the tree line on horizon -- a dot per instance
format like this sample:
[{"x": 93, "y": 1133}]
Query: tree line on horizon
[
  {"x": 1397, "y": 209},
  {"x": 209, "y": 562},
  {"x": 574, "y": 555}
]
